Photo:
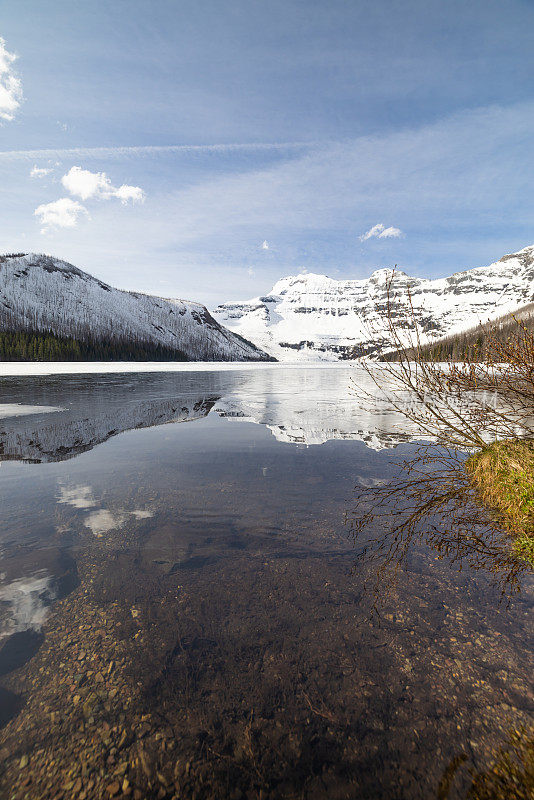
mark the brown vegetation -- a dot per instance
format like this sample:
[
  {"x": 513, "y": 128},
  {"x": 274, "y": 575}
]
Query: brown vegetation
[
  {"x": 484, "y": 406},
  {"x": 503, "y": 476}
]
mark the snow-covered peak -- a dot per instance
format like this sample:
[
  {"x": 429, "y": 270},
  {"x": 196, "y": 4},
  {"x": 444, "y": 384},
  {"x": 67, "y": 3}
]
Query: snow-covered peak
[
  {"x": 306, "y": 281},
  {"x": 310, "y": 316},
  {"x": 44, "y": 262}
]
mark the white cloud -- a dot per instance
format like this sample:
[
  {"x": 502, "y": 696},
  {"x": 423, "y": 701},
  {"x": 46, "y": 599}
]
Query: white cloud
[
  {"x": 126, "y": 193},
  {"x": 102, "y": 521},
  {"x": 380, "y": 231},
  {"x": 61, "y": 213},
  {"x": 82, "y": 183},
  {"x": 27, "y": 602},
  {"x": 374, "y": 231},
  {"x": 265, "y": 245},
  {"x": 390, "y": 233},
  {"x": 251, "y": 272},
  {"x": 39, "y": 172},
  {"x": 86, "y": 184},
  {"x": 78, "y": 496},
  {"x": 10, "y": 84}
]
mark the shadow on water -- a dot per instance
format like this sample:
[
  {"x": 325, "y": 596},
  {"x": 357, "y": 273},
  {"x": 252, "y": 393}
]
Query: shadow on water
[
  {"x": 10, "y": 705},
  {"x": 18, "y": 649}
]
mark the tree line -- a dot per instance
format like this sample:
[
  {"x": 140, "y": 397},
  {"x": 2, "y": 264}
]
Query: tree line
[
  {"x": 474, "y": 345},
  {"x": 25, "y": 345}
]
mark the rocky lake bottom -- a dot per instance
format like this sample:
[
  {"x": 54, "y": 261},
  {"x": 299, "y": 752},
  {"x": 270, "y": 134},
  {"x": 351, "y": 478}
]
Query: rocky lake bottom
[{"x": 185, "y": 612}]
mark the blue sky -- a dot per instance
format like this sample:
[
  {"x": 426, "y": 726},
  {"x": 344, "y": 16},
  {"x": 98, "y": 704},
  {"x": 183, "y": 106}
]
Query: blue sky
[{"x": 201, "y": 130}]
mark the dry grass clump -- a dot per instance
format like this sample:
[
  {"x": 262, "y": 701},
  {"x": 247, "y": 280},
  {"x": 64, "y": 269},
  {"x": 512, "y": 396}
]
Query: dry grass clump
[{"x": 503, "y": 475}]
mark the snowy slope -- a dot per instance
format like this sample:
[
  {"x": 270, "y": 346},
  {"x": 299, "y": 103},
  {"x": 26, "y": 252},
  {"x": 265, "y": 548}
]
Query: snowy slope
[
  {"x": 311, "y": 317},
  {"x": 39, "y": 293}
]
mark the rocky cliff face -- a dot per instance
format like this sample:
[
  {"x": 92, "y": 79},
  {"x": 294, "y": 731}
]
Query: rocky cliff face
[{"x": 312, "y": 317}]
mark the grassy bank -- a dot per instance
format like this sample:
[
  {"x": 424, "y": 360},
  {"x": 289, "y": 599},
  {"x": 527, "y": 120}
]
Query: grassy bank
[{"x": 503, "y": 476}]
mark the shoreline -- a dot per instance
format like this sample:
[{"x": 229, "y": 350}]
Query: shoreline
[{"x": 9, "y": 369}]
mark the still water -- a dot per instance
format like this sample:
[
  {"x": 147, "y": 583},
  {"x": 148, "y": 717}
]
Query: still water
[{"x": 185, "y": 613}]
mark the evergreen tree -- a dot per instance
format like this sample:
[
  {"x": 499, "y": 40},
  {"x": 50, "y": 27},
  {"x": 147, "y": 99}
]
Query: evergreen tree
[{"x": 46, "y": 346}]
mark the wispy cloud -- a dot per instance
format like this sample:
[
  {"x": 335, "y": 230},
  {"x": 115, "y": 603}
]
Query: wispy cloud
[
  {"x": 149, "y": 150},
  {"x": 380, "y": 231},
  {"x": 63, "y": 213},
  {"x": 10, "y": 84},
  {"x": 443, "y": 171},
  {"x": 85, "y": 184},
  {"x": 39, "y": 172},
  {"x": 433, "y": 168}
]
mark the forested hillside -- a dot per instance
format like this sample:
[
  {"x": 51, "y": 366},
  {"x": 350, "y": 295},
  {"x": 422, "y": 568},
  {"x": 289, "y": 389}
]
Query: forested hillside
[
  {"x": 37, "y": 346},
  {"x": 472, "y": 345},
  {"x": 59, "y": 304}
]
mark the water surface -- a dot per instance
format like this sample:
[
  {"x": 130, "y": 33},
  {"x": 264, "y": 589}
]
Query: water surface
[{"x": 183, "y": 611}]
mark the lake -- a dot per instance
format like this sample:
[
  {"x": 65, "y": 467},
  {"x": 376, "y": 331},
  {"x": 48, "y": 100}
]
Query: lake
[{"x": 185, "y": 612}]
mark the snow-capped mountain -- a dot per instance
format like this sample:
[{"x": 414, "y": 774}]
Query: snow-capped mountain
[
  {"x": 41, "y": 293},
  {"x": 311, "y": 317}
]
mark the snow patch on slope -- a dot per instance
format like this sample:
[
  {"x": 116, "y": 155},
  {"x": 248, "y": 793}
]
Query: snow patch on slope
[{"x": 20, "y": 410}]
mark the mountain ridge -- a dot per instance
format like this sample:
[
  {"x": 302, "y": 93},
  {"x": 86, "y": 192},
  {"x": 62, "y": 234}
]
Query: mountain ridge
[
  {"x": 314, "y": 317},
  {"x": 43, "y": 294},
  {"x": 473, "y": 344}
]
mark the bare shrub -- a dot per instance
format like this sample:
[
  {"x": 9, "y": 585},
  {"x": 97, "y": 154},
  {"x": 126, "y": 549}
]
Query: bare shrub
[{"x": 463, "y": 404}]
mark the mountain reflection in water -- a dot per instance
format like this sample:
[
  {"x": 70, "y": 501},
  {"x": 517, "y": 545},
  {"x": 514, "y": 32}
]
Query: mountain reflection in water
[
  {"x": 182, "y": 606},
  {"x": 308, "y": 409}
]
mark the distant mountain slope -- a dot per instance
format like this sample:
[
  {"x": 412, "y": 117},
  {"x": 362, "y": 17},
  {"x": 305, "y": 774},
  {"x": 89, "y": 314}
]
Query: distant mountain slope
[
  {"x": 472, "y": 344},
  {"x": 312, "y": 317},
  {"x": 39, "y": 293}
]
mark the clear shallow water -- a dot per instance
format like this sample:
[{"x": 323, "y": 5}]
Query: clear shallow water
[{"x": 182, "y": 605}]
